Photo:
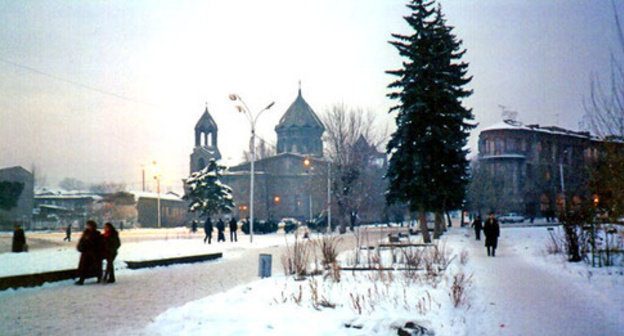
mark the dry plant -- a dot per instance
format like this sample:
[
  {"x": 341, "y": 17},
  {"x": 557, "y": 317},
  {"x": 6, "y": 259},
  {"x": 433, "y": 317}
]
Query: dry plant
[
  {"x": 318, "y": 300},
  {"x": 297, "y": 298},
  {"x": 463, "y": 257},
  {"x": 333, "y": 272},
  {"x": 556, "y": 242},
  {"x": 328, "y": 244},
  {"x": 296, "y": 259},
  {"x": 459, "y": 288},
  {"x": 412, "y": 258}
]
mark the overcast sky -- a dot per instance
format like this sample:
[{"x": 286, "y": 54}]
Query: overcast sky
[{"x": 96, "y": 89}]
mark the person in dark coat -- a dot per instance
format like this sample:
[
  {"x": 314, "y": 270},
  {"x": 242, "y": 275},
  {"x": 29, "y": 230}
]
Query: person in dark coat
[
  {"x": 478, "y": 226},
  {"x": 491, "y": 231},
  {"x": 194, "y": 226},
  {"x": 221, "y": 230},
  {"x": 19, "y": 240},
  {"x": 208, "y": 230},
  {"x": 68, "y": 233},
  {"x": 233, "y": 229},
  {"x": 111, "y": 245},
  {"x": 90, "y": 246}
]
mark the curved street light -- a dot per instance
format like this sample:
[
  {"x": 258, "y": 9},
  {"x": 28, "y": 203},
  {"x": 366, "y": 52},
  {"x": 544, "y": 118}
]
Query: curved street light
[{"x": 243, "y": 108}]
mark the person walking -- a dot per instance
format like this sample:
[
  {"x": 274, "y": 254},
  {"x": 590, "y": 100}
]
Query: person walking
[
  {"x": 233, "y": 229},
  {"x": 194, "y": 226},
  {"x": 491, "y": 230},
  {"x": 91, "y": 248},
  {"x": 477, "y": 224},
  {"x": 221, "y": 230},
  {"x": 68, "y": 233},
  {"x": 208, "y": 231},
  {"x": 111, "y": 245},
  {"x": 19, "y": 240}
]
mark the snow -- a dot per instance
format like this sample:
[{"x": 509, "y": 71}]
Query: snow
[
  {"x": 525, "y": 291},
  {"x": 168, "y": 243},
  {"x": 522, "y": 291},
  {"x": 285, "y": 306}
]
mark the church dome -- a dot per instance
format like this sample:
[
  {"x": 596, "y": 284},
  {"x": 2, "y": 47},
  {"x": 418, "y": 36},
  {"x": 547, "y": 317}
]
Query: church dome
[{"x": 299, "y": 115}]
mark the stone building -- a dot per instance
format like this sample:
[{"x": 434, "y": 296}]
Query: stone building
[
  {"x": 529, "y": 168},
  {"x": 284, "y": 185},
  {"x": 206, "y": 147},
  {"x": 23, "y": 211}
]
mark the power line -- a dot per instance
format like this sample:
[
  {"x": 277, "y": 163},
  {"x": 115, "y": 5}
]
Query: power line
[{"x": 71, "y": 82}]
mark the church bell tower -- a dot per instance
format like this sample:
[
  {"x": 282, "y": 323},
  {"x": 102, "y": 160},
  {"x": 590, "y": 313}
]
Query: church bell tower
[{"x": 205, "y": 142}]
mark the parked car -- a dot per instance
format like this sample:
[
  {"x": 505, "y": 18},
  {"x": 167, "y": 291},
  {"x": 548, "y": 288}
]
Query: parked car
[{"x": 511, "y": 217}]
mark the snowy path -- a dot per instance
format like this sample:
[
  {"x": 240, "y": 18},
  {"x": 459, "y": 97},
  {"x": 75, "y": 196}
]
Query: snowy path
[
  {"x": 514, "y": 296},
  {"x": 126, "y": 307}
]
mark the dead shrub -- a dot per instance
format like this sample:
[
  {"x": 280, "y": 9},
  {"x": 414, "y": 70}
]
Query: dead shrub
[
  {"x": 328, "y": 244},
  {"x": 296, "y": 259},
  {"x": 463, "y": 257},
  {"x": 459, "y": 288}
]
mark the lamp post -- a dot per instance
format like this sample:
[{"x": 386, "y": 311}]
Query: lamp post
[
  {"x": 307, "y": 163},
  {"x": 157, "y": 178},
  {"x": 242, "y": 108},
  {"x": 328, "y": 196}
]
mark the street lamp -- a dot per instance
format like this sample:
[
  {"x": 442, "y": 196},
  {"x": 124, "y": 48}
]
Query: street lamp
[
  {"x": 328, "y": 196},
  {"x": 242, "y": 108},
  {"x": 307, "y": 163},
  {"x": 157, "y": 178}
]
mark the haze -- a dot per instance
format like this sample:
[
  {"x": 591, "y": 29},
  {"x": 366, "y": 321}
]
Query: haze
[{"x": 95, "y": 90}]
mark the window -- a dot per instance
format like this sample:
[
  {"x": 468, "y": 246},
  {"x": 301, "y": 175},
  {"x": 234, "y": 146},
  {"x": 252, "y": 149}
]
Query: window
[{"x": 510, "y": 146}]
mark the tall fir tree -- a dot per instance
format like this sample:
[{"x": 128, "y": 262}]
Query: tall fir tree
[
  {"x": 428, "y": 168},
  {"x": 207, "y": 194}
]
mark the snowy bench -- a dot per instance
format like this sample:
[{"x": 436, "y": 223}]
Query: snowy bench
[
  {"x": 172, "y": 261},
  {"x": 36, "y": 279}
]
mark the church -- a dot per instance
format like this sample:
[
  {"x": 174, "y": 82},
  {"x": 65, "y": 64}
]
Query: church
[{"x": 290, "y": 184}]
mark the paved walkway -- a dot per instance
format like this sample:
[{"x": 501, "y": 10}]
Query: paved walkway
[
  {"x": 514, "y": 297},
  {"x": 126, "y": 307}
]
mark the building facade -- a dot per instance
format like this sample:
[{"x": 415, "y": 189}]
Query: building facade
[
  {"x": 206, "y": 146},
  {"x": 292, "y": 183},
  {"x": 22, "y": 212},
  {"x": 529, "y": 169}
]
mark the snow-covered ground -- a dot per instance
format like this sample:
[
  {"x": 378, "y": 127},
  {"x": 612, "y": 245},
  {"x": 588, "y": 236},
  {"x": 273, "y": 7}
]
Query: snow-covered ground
[
  {"x": 136, "y": 245},
  {"x": 523, "y": 291},
  {"x": 360, "y": 303}
]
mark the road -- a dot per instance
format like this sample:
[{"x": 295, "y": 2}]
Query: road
[{"x": 513, "y": 296}]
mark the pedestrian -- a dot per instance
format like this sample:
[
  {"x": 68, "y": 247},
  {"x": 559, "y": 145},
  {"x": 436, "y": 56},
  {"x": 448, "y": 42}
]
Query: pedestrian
[
  {"x": 208, "y": 230},
  {"x": 194, "y": 226},
  {"x": 233, "y": 229},
  {"x": 121, "y": 226},
  {"x": 19, "y": 240},
  {"x": 477, "y": 224},
  {"x": 221, "y": 230},
  {"x": 491, "y": 231},
  {"x": 68, "y": 233},
  {"x": 91, "y": 248},
  {"x": 111, "y": 245}
]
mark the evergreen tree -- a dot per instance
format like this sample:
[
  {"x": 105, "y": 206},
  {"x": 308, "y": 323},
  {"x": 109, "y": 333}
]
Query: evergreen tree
[
  {"x": 428, "y": 166},
  {"x": 206, "y": 192}
]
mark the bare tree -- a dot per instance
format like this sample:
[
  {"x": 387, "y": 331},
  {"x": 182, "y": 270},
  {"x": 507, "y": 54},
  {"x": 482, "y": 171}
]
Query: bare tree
[
  {"x": 352, "y": 143},
  {"x": 264, "y": 149},
  {"x": 605, "y": 114}
]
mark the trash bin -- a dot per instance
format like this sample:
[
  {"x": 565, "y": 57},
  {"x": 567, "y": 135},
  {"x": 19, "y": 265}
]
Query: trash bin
[{"x": 264, "y": 266}]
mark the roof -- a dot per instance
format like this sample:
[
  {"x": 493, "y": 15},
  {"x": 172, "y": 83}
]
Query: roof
[
  {"x": 299, "y": 114},
  {"x": 517, "y": 125},
  {"x": 206, "y": 123}
]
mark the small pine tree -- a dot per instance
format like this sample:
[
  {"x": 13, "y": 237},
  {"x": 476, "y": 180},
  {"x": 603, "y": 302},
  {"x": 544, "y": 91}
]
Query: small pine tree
[
  {"x": 207, "y": 194},
  {"x": 428, "y": 166}
]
